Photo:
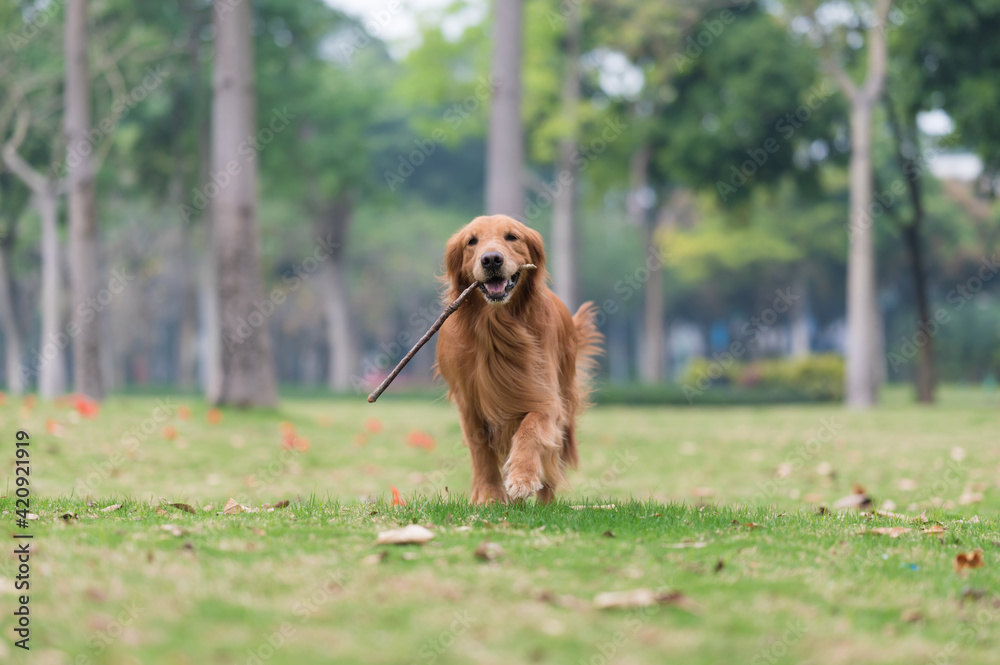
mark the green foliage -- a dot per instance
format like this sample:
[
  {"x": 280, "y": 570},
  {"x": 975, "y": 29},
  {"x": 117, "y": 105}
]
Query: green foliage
[{"x": 812, "y": 378}]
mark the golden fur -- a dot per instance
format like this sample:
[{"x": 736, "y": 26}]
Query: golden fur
[{"x": 517, "y": 370}]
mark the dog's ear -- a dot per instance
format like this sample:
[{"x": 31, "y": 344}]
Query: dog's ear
[
  {"x": 536, "y": 247},
  {"x": 454, "y": 255}
]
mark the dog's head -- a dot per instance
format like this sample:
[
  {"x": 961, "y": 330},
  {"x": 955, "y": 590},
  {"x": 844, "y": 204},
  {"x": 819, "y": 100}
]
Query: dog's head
[{"x": 491, "y": 250}]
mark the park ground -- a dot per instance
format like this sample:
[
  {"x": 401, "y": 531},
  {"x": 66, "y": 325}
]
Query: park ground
[{"x": 728, "y": 516}]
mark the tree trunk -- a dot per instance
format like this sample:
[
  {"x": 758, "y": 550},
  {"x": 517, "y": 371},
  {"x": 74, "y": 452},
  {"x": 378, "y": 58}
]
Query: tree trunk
[
  {"x": 82, "y": 208},
  {"x": 651, "y": 371},
  {"x": 564, "y": 206},
  {"x": 11, "y": 329},
  {"x": 332, "y": 230},
  {"x": 248, "y": 373},
  {"x": 505, "y": 143},
  {"x": 800, "y": 317},
  {"x": 860, "y": 380},
  {"x": 51, "y": 359},
  {"x": 925, "y": 378}
]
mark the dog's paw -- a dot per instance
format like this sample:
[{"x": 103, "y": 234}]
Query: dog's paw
[
  {"x": 521, "y": 485},
  {"x": 488, "y": 495}
]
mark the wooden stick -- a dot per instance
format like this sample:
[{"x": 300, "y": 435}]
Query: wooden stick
[{"x": 448, "y": 311}]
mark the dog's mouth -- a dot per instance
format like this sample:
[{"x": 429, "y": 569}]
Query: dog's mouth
[{"x": 497, "y": 289}]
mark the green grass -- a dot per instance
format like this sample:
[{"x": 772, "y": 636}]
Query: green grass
[{"x": 719, "y": 504}]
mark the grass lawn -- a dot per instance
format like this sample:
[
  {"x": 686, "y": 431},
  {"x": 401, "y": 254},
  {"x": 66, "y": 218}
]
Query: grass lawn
[{"x": 728, "y": 513}]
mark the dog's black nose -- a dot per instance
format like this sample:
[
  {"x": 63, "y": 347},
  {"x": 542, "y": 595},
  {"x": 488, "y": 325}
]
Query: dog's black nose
[{"x": 492, "y": 260}]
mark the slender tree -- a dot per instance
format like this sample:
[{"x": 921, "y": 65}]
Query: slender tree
[
  {"x": 564, "y": 207},
  {"x": 248, "y": 373},
  {"x": 505, "y": 142},
  {"x": 83, "y": 239},
  {"x": 864, "y": 362}
]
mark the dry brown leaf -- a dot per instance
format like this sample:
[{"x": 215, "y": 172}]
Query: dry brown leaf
[
  {"x": 183, "y": 506},
  {"x": 488, "y": 551},
  {"x": 374, "y": 559},
  {"x": 857, "y": 499},
  {"x": 232, "y": 507},
  {"x": 161, "y": 511},
  {"x": 934, "y": 529},
  {"x": 638, "y": 598},
  {"x": 281, "y": 504},
  {"x": 911, "y": 615},
  {"x": 409, "y": 534},
  {"x": 970, "y": 497},
  {"x": 173, "y": 530},
  {"x": 112, "y": 507},
  {"x": 967, "y": 560},
  {"x": 891, "y": 531}
]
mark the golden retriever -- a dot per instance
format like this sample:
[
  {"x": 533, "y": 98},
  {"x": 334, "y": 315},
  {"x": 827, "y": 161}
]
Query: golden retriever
[{"x": 516, "y": 362}]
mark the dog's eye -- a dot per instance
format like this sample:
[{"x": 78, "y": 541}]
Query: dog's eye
[
  {"x": 510, "y": 237},
  {"x": 473, "y": 240}
]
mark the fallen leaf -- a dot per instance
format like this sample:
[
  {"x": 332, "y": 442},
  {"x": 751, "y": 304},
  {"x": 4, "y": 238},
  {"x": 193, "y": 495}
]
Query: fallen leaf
[
  {"x": 720, "y": 564},
  {"x": 183, "y": 506},
  {"x": 911, "y": 615},
  {"x": 376, "y": 558},
  {"x": 373, "y": 425},
  {"x": 410, "y": 534},
  {"x": 85, "y": 406},
  {"x": 232, "y": 507},
  {"x": 173, "y": 530},
  {"x": 749, "y": 525},
  {"x": 488, "y": 551},
  {"x": 396, "y": 499},
  {"x": 183, "y": 412},
  {"x": 161, "y": 511},
  {"x": 68, "y": 517},
  {"x": 114, "y": 506},
  {"x": 891, "y": 531},
  {"x": 636, "y": 598},
  {"x": 970, "y": 497},
  {"x": 858, "y": 500},
  {"x": 169, "y": 432},
  {"x": 281, "y": 504},
  {"x": 418, "y": 439},
  {"x": 934, "y": 529},
  {"x": 608, "y": 534},
  {"x": 966, "y": 560},
  {"x": 214, "y": 416}
]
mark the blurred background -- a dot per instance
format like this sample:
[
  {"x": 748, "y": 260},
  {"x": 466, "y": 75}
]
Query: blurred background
[{"x": 768, "y": 201}]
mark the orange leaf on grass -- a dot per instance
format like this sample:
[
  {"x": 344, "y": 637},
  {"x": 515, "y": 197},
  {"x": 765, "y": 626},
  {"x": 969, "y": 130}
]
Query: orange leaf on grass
[
  {"x": 966, "y": 560},
  {"x": 29, "y": 401},
  {"x": 3, "y": 398},
  {"x": 373, "y": 425},
  {"x": 302, "y": 444},
  {"x": 183, "y": 412},
  {"x": 360, "y": 439},
  {"x": 418, "y": 439},
  {"x": 396, "y": 499},
  {"x": 85, "y": 406},
  {"x": 53, "y": 428},
  {"x": 214, "y": 416},
  {"x": 169, "y": 432},
  {"x": 286, "y": 428}
]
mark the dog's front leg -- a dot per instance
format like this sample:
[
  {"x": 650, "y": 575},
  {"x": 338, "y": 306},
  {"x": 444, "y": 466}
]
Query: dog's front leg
[
  {"x": 536, "y": 440},
  {"x": 487, "y": 483}
]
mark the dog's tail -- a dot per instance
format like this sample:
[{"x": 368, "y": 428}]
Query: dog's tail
[{"x": 588, "y": 348}]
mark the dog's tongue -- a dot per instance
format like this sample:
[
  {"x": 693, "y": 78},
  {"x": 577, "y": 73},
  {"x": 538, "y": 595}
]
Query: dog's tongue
[{"x": 496, "y": 287}]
